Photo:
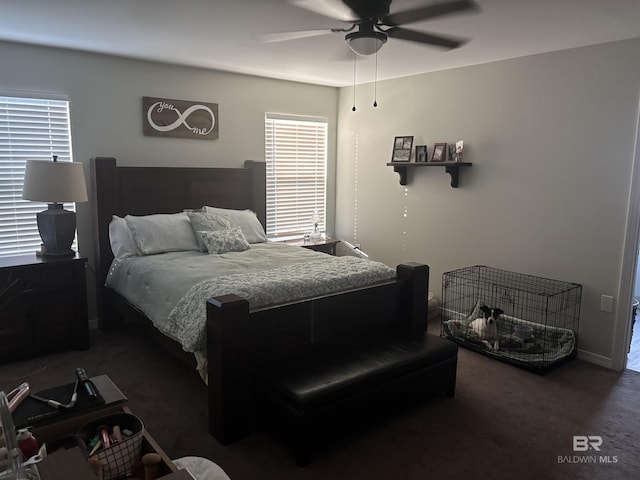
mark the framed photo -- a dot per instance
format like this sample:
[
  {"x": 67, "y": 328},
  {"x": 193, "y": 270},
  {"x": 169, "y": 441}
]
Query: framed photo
[
  {"x": 439, "y": 153},
  {"x": 451, "y": 153},
  {"x": 421, "y": 153},
  {"x": 402, "y": 149}
]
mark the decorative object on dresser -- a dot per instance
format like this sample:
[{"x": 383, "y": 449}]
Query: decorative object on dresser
[
  {"x": 166, "y": 117},
  {"x": 46, "y": 308},
  {"x": 538, "y": 326},
  {"x": 54, "y": 183}
]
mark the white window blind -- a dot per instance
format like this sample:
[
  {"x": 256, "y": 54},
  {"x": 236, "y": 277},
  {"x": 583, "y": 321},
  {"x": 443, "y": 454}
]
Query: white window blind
[
  {"x": 296, "y": 156},
  {"x": 34, "y": 129}
]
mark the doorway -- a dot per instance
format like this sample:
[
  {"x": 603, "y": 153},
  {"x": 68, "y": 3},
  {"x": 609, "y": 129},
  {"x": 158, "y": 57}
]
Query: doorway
[
  {"x": 626, "y": 341},
  {"x": 633, "y": 358}
]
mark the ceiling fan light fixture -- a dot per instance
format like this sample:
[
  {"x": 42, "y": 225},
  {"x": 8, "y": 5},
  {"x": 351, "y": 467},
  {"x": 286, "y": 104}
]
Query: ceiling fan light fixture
[{"x": 365, "y": 43}]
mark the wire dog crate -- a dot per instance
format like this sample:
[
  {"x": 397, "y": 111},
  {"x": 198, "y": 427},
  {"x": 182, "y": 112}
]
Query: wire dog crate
[{"x": 539, "y": 327}]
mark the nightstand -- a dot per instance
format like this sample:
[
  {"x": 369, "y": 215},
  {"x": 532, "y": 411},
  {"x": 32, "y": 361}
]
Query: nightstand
[
  {"x": 47, "y": 306},
  {"x": 325, "y": 244}
]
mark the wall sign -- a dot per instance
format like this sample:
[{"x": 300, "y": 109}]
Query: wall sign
[{"x": 165, "y": 117}]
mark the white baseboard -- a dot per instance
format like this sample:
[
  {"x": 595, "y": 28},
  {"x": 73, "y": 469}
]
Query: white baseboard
[{"x": 590, "y": 357}]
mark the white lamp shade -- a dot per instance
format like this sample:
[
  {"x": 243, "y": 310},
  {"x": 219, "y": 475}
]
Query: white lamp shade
[{"x": 54, "y": 182}]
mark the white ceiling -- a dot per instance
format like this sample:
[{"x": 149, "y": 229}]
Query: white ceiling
[{"x": 222, "y": 34}]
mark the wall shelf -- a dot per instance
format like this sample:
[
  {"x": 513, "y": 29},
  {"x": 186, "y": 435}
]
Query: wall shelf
[{"x": 452, "y": 168}]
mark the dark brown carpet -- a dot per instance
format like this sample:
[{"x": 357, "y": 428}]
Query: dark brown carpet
[{"x": 504, "y": 422}]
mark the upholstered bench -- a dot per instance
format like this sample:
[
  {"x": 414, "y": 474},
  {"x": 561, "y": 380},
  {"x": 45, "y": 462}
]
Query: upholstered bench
[{"x": 314, "y": 388}]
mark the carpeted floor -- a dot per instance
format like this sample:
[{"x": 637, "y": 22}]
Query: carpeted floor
[{"x": 504, "y": 423}]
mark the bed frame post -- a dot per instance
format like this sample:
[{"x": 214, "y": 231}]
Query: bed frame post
[
  {"x": 104, "y": 194},
  {"x": 228, "y": 368},
  {"x": 258, "y": 189},
  {"x": 413, "y": 301}
]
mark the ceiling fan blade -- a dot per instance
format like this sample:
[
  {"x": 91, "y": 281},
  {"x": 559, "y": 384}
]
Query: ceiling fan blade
[
  {"x": 421, "y": 37},
  {"x": 328, "y": 8},
  {"x": 429, "y": 11},
  {"x": 284, "y": 36}
]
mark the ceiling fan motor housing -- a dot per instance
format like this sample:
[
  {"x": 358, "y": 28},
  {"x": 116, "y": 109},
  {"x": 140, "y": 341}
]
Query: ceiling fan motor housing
[{"x": 368, "y": 9}]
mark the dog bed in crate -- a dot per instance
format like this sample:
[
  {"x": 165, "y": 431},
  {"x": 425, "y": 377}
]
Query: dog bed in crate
[{"x": 527, "y": 344}]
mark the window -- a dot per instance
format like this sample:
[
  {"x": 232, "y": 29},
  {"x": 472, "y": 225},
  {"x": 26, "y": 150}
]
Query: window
[
  {"x": 30, "y": 128},
  {"x": 296, "y": 156}
]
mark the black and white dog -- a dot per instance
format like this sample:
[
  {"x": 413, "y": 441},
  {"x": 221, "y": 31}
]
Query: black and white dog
[{"x": 487, "y": 326}]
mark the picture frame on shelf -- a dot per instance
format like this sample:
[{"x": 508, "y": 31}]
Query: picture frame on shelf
[
  {"x": 439, "y": 153},
  {"x": 459, "y": 150},
  {"x": 451, "y": 153},
  {"x": 402, "y": 147},
  {"x": 421, "y": 153}
]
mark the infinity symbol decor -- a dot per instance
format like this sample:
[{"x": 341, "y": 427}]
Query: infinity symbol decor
[{"x": 165, "y": 117}]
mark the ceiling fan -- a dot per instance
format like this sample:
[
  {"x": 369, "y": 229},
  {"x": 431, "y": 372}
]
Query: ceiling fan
[{"x": 372, "y": 24}]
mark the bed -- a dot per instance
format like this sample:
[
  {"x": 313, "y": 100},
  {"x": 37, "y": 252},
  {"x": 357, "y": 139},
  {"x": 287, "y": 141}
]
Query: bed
[{"x": 240, "y": 332}]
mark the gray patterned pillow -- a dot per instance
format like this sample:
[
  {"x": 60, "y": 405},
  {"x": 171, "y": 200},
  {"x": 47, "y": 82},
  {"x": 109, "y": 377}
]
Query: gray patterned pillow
[
  {"x": 245, "y": 219},
  {"x": 209, "y": 222},
  {"x": 223, "y": 241}
]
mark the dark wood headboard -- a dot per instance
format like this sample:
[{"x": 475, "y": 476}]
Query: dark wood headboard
[{"x": 146, "y": 190}]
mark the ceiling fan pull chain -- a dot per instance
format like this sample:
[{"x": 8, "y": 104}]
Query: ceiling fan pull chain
[
  {"x": 375, "y": 84},
  {"x": 353, "y": 109}
]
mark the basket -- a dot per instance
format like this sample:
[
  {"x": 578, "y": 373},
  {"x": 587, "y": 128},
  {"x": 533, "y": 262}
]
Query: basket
[{"x": 118, "y": 459}]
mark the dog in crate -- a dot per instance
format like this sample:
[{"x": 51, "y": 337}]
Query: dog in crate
[{"x": 487, "y": 326}]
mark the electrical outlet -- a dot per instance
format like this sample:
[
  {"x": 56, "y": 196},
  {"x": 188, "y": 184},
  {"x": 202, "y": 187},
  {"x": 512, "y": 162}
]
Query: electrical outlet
[{"x": 606, "y": 303}]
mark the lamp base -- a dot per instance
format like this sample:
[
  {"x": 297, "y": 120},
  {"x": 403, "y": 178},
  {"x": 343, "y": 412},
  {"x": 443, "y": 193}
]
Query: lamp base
[
  {"x": 57, "y": 228},
  {"x": 43, "y": 253}
]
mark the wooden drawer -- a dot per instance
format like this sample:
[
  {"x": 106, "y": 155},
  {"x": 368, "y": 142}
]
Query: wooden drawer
[{"x": 47, "y": 278}]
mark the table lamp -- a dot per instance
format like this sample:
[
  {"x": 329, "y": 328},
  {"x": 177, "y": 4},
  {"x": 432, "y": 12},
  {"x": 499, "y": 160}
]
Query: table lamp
[{"x": 54, "y": 183}]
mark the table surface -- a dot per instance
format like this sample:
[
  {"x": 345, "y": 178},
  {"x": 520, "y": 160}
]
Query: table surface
[{"x": 308, "y": 242}]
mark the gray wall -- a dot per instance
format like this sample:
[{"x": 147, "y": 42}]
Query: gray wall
[
  {"x": 105, "y": 95},
  {"x": 551, "y": 138}
]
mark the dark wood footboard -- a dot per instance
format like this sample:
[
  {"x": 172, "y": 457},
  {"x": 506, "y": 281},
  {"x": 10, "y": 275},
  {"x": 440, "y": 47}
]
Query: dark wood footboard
[{"x": 239, "y": 340}]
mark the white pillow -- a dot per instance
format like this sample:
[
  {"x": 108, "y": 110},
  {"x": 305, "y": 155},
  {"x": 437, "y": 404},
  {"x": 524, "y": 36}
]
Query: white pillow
[
  {"x": 245, "y": 219},
  {"x": 162, "y": 232},
  {"x": 122, "y": 245},
  {"x": 223, "y": 241}
]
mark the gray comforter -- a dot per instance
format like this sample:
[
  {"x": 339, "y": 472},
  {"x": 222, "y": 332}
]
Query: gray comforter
[{"x": 171, "y": 288}]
